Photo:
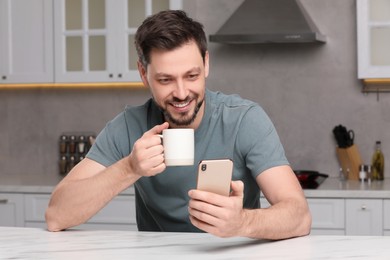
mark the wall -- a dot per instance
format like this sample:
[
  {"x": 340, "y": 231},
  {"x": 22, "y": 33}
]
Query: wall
[
  {"x": 306, "y": 90},
  {"x": 33, "y": 120}
]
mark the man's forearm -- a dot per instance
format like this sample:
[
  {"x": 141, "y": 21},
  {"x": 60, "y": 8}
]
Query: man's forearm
[
  {"x": 73, "y": 202},
  {"x": 283, "y": 220}
]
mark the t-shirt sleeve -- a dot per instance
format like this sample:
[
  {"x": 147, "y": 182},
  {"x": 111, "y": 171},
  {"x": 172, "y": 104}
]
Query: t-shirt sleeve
[
  {"x": 259, "y": 142},
  {"x": 112, "y": 143}
]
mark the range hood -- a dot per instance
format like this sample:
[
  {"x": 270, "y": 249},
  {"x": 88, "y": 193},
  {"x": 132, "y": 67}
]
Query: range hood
[{"x": 269, "y": 21}]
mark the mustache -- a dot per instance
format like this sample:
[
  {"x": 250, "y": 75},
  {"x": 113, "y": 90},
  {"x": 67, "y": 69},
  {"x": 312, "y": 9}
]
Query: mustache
[{"x": 175, "y": 99}]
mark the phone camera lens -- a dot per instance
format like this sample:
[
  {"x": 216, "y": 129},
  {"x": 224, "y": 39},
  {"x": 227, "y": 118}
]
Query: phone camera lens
[{"x": 204, "y": 167}]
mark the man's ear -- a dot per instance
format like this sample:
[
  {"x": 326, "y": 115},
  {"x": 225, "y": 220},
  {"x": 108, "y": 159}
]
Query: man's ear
[
  {"x": 142, "y": 73},
  {"x": 206, "y": 64}
]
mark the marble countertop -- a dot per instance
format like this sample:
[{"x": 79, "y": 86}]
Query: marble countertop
[
  {"x": 33, "y": 243},
  {"x": 330, "y": 188}
]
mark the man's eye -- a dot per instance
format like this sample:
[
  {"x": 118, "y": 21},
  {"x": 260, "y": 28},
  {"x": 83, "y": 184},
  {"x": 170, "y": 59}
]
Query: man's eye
[
  {"x": 193, "y": 76},
  {"x": 164, "y": 80}
]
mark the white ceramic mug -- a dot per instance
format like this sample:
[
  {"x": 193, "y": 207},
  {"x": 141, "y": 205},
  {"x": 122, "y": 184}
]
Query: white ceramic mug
[{"x": 178, "y": 146}]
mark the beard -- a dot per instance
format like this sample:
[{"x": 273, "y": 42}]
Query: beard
[{"x": 185, "y": 118}]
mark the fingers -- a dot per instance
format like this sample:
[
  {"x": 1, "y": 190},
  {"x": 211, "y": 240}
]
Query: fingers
[
  {"x": 237, "y": 189},
  {"x": 156, "y": 129},
  {"x": 147, "y": 156},
  {"x": 217, "y": 214}
]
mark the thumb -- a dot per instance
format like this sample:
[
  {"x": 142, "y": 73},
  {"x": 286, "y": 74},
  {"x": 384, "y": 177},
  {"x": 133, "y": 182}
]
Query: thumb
[
  {"x": 237, "y": 189},
  {"x": 157, "y": 129}
]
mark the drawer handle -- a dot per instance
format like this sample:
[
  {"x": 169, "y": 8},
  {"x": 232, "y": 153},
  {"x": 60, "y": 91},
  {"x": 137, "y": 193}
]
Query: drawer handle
[
  {"x": 364, "y": 207},
  {"x": 3, "y": 201}
]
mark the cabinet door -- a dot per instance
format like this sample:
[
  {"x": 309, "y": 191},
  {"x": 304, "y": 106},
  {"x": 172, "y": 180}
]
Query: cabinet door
[
  {"x": 386, "y": 214},
  {"x": 11, "y": 210},
  {"x": 118, "y": 213},
  {"x": 95, "y": 39},
  {"x": 26, "y": 41},
  {"x": 327, "y": 216},
  {"x": 373, "y": 27},
  {"x": 364, "y": 217}
]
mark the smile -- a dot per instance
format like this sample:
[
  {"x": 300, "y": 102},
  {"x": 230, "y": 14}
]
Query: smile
[{"x": 180, "y": 105}]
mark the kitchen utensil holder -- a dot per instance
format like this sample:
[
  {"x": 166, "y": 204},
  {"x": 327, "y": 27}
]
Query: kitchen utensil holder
[{"x": 350, "y": 160}]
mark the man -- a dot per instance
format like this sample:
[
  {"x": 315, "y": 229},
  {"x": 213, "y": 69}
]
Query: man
[{"x": 173, "y": 64}]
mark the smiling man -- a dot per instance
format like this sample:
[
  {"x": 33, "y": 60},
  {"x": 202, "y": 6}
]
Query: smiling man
[{"x": 174, "y": 64}]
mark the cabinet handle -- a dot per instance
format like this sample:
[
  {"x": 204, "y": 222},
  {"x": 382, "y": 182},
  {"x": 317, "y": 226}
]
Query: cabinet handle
[
  {"x": 4, "y": 77},
  {"x": 363, "y": 207},
  {"x": 119, "y": 75},
  {"x": 110, "y": 75},
  {"x": 3, "y": 201}
]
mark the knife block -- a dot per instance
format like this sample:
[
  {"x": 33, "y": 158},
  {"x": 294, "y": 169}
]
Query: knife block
[{"x": 349, "y": 158}]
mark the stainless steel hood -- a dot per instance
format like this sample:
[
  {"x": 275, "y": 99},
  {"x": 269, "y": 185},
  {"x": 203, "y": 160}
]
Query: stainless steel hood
[{"x": 269, "y": 21}]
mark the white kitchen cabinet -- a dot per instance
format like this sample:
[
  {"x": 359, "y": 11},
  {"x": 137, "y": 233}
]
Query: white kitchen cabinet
[
  {"x": 94, "y": 39},
  {"x": 118, "y": 214},
  {"x": 373, "y": 31},
  {"x": 364, "y": 217},
  {"x": 328, "y": 216},
  {"x": 11, "y": 210},
  {"x": 26, "y": 41},
  {"x": 386, "y": 217}
]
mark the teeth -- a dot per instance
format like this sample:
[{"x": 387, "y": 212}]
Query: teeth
[{"x": 181, "y": 104}]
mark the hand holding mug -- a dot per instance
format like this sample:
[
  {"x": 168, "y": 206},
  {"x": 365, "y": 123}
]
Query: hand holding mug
[{"x": 147, "y": 156}]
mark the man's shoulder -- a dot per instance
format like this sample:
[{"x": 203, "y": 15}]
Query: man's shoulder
[
  {"x": 139, "y": 108},
  {"x": 230, "y": 100}
]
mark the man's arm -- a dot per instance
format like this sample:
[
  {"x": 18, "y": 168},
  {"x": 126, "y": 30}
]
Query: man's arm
[
  {"x": 289, "y": 215},
  {"x": 90, "y": 186}
]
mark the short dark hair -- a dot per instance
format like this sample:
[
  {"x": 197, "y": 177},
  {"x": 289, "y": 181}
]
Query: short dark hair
[{"x": 168, "y": 30}]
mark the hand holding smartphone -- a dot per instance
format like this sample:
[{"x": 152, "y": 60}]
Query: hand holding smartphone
[{"x": 215, "y": 176}]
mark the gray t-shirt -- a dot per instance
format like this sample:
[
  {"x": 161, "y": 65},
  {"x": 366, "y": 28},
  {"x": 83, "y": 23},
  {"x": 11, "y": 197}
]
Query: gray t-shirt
[{"x": 232, "y": 128}]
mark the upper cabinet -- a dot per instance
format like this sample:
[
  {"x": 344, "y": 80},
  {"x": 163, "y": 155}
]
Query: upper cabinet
[
  {"x": 373, "y": 28},
  {"x": 94, "y": 40},
  {"x": 26, "y": 41}
]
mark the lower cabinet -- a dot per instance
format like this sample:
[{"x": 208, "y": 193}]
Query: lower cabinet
[
  {"x": 328, "y": 216},
  {"x": 364, "y": 217},
  {"x": 11, "y": 210},
  {"x": 119, "y": 214},
  {"x": 338, "y": 216},
  {"x": 331, "y": 216},
  {"x": 386, "y": 217}
]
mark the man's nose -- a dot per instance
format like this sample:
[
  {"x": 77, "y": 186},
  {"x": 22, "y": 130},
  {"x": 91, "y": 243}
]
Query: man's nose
[{"x": 180, "y": 91}]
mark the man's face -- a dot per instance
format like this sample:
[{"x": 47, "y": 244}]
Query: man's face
[{"x": 176, "y": 80}]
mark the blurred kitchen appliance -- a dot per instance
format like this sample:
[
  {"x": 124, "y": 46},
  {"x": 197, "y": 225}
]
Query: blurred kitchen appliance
[{"x": 310, "y": 179}]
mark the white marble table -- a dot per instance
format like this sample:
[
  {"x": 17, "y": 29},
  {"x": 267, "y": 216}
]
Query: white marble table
[{"x": 31, "y": 243}]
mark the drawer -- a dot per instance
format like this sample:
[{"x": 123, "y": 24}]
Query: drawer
[
  {"x": 386, "y": 214},
  {"x": 121, "y": 210},
  {"x": 327, "y": 213}
]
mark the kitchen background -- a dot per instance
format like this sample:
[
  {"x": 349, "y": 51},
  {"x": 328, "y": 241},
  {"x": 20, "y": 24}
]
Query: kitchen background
[{"x": 307, "y": 89}]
